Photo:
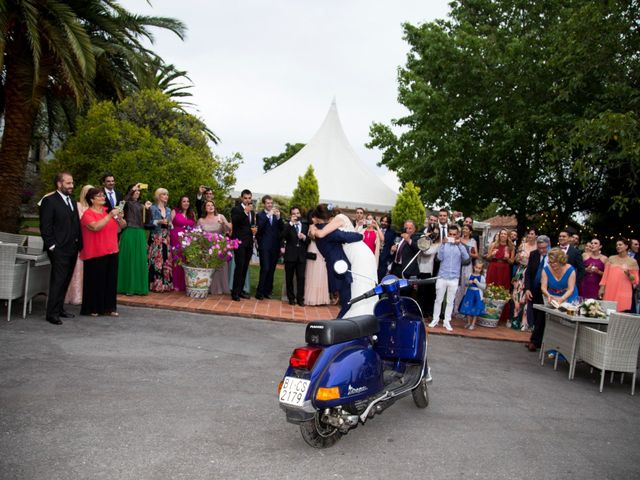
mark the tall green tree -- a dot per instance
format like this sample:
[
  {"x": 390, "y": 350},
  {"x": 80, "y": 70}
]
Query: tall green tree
[
  {"x": 408, "y": 206},
  {"x": 145, "y": 138},
  {"x": 496, "y": 96},
  {"x": 60, "y": 49},
  {"x": 289, "y": 151},
  {"x": 306, "y": 195}
]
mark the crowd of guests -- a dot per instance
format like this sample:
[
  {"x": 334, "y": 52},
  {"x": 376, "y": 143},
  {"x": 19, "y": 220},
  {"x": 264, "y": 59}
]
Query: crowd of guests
[{"x": 120, "y": 245}]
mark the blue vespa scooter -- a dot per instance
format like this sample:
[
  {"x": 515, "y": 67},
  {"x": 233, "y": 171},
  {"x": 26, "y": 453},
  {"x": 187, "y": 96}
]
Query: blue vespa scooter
[{"x": 352, "y": 369}]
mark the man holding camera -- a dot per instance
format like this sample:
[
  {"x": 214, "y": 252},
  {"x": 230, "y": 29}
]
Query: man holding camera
[
  {"x": 295, "y": 261},
  {"x": 205, "y": 194},
  {"x": 451, "y": 254},
  {"x": 270, "y": 227}
]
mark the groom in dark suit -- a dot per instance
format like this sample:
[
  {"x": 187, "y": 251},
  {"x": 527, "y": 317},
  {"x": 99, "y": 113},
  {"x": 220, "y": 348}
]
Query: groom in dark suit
[
  {"x": 60, "y": 230},
  {"x": 331, "y": 249},
  {"x": 574, "y": 257}
]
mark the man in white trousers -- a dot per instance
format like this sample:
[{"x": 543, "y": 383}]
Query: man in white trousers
[{"x": 451, "y": 255}]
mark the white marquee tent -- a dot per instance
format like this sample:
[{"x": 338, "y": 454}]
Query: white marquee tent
[{"x": 344, "y": 180}]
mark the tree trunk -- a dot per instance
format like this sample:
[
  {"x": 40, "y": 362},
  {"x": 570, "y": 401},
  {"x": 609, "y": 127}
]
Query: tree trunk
[{"x": 21, "y": 108}]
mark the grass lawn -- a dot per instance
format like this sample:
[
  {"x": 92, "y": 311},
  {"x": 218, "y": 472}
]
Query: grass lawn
[{"x": 278, "y": 281}]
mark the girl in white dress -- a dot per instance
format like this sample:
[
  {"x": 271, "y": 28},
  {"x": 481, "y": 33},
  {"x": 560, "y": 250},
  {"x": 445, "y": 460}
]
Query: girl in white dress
[{"x": 364, "y": 268}]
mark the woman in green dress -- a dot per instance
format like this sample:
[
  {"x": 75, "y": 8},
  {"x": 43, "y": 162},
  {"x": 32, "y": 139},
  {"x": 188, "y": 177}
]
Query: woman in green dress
[{"x": 133, "y": 276}]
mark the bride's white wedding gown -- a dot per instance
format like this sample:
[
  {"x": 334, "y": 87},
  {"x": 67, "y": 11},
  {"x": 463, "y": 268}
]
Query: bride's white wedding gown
[{"x": 364, "y": 271}]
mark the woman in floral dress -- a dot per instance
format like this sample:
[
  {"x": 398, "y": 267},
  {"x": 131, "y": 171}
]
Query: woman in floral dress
[{"x": 160, "y": 258}]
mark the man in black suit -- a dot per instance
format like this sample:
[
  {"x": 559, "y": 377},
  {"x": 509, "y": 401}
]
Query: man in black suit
[
  {"x": 295, "y": 260},
  {"x": 243, "y": 222},
  {"x": 109, "y": 186},
  {"x": 385, "y": 252},
  {"x": 331, "y": 249},
  {"x": 533, "y": 288},
  {"x": 404, "y": 252},
  {"x": 574, "y": 257},
  {"x": 270, "y": 227},
  {"x": 60, "y": 230}
]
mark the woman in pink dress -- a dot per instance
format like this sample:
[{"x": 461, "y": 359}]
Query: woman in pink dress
[
  {"x": 74, "y": 292},
  {"x": 215, "y": 222},
  {"x": 183, "y": 217},
  {"x": 316, "y": 284},
  {"x": 594, "y": 265},
  {"x": 372, "y": 235}
]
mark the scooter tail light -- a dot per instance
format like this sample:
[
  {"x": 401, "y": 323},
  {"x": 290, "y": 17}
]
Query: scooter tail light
[
  {"x": 325, "y": 394},
  {"x": 304, "y": 357}
]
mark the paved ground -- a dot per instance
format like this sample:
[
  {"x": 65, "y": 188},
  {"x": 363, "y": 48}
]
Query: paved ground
[{"x": 167, "y": 395}]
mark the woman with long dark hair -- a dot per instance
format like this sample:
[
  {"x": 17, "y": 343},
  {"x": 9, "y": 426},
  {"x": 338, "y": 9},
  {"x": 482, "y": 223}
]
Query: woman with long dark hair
[
  {"x": 183, "y": 217},
  {"x": 133, "y": 277}
]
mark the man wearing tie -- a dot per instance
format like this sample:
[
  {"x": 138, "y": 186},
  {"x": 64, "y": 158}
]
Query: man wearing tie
[
  {"x": 574, "y": 257},
  {"x": 295, "y": 260},
  {"x": 270, "y": 227},
  {"x": 404, "y": 252},
  {"x": 60, "y": 230},
  {"x": 533, "y": 288},
  {"x": 443, "y": 222},
  {"x": 243, "y": 221},
  {"x": 113, "y": 197}
]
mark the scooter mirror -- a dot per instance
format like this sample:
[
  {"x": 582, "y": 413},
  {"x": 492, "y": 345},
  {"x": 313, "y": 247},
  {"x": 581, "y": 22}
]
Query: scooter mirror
[{"x": 340, "y": 267}]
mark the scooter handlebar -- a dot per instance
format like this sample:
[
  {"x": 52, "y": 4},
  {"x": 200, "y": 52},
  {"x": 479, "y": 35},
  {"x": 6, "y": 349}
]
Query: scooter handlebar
[
  {"x": 368, "y": 294},
  {"x": 423, "y": 281}
]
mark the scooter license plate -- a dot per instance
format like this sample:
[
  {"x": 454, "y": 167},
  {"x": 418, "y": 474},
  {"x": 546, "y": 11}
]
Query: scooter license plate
[{"x": 294, "y": 391}]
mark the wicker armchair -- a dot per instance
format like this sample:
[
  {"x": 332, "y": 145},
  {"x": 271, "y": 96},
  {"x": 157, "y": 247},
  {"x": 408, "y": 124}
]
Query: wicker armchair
[
  {"x": 615, "y": 350},
  {"x": 13, "y": 238},
  {"x": 12, "y": 275}
]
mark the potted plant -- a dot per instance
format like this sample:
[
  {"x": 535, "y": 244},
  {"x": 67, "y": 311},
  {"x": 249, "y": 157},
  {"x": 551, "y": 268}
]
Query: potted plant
[
  {"x": 201, "y": 253},
  {"x": 495, "y": 298}
]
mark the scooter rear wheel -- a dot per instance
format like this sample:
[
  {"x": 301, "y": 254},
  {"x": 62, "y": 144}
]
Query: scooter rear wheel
[
  {"x": 318, "y": 434},
  {"x": 421, "y": 394}
]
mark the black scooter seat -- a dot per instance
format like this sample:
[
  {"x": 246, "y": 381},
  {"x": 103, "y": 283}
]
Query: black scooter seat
[{"x": 330, "y": 332}]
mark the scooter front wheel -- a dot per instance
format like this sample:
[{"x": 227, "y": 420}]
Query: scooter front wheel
[
  {"x": 421, "y": 394},
  {"x": 318, "y": 434}
]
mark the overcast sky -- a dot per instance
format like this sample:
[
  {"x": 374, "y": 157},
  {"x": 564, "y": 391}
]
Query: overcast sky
[{"x": 265, "y": 72}]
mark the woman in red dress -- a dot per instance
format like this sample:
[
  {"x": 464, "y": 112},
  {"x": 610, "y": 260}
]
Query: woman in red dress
[
  {"x": 183, "y": 217},
  {"x": 501, "y": 256},
  {"x": 100, "y": 255}
]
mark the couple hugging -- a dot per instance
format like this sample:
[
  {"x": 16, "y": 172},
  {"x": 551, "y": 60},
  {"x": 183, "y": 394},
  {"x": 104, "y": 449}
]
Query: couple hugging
[{"x": 337, "y": 239}]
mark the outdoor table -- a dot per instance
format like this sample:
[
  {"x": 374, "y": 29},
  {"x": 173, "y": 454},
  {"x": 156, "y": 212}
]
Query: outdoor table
[
  {"x": 561, "y": 334},
  {"x": 34, "y": 257}
]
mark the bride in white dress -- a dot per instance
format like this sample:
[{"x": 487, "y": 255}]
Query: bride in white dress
[{"x": 364, "y": 268}]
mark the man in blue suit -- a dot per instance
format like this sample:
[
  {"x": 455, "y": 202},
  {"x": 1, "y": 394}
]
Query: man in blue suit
[
  {"x": 331, "y": 249},
  {"x": 270, "y": 227}
]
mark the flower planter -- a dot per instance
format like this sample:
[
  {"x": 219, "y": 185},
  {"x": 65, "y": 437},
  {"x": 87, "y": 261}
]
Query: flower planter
[
  {"x": 493, "y": 309},
  {"x": 197, "y": 281}
]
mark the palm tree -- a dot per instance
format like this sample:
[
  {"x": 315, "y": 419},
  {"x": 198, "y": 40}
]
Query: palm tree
[{"x": 68, "y": 50}]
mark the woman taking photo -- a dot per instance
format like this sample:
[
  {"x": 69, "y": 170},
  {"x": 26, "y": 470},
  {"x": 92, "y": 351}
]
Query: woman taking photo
[
  {"x": 372, "y": 236},
  {"x": 100, "y": 255},
  {"x": 183, "y": 217},
  {"x": 133, "y": 276},
  {"x": 501, "y": 256},
  {"x": 215, "y": 222},
  {"x": 620, "y": 276},
  {"x": 594, "y": 265},
  {"x": 160, "y": 258}
]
